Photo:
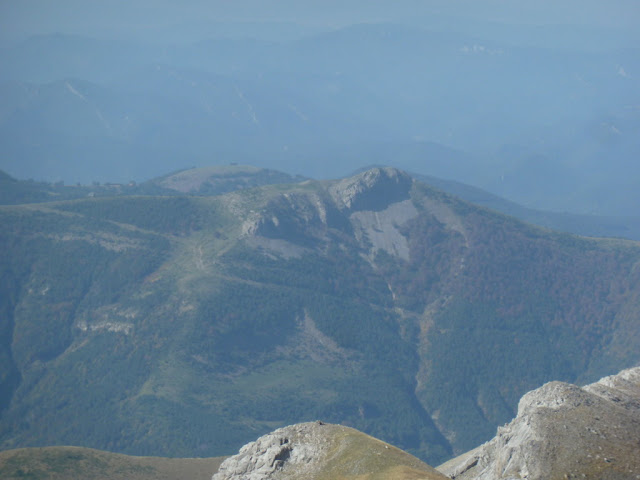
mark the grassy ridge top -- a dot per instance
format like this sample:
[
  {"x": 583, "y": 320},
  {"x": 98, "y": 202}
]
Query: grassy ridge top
[
  {"x": 62, "y": 463},
  {"x": 362, "y": 457}
]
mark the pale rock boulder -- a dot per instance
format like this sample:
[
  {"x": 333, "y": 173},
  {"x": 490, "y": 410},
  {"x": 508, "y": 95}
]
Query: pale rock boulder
[{"x": 294, "y": 447}]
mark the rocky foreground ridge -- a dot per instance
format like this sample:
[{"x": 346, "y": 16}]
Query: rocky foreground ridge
[
  {"x": 563, "y": 431},
  {"x": 322, "y": 451}
]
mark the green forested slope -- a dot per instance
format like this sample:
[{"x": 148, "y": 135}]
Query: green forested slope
[{"x": 187, "y": 326}]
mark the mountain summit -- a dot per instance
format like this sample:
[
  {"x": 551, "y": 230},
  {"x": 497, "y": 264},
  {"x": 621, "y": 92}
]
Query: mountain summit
[{"x": 322, "y": 451}]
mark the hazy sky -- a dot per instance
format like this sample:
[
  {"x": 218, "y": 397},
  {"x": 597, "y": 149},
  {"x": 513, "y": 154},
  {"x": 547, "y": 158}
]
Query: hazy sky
[
  {"x": 144, "y": 17},
  {"x": 564, "y": 91}
]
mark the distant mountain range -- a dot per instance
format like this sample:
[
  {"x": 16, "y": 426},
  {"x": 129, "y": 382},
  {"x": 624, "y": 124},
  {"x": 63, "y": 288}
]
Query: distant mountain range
[
  {"x": 553, "y": 128},
  {"x": 220, "y": 179},
  {"x": 188, "y": 324}
]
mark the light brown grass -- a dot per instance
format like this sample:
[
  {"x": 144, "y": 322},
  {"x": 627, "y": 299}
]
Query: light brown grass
[{"x": 66, "y": 463}]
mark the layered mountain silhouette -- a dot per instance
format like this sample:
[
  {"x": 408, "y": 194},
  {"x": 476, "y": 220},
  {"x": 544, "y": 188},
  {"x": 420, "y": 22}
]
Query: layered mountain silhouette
[
  {"x": 189, "y": 325},
  {"x": 546, "y": 120}
]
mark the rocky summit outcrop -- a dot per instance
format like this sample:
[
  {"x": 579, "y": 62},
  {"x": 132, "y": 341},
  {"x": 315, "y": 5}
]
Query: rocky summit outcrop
[
  {"x": 371, "y": 206},
  {"x": 374, "y": 189},
  {"x": 562, "y": 432},
  {"x": 319, "y": 451}
]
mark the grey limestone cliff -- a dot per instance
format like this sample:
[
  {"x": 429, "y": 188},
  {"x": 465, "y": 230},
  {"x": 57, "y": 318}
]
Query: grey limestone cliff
[
  {"x": 294, "y": 448},
  {"x": 373, "y": 189},
  {"x": 563, "y": 431}
]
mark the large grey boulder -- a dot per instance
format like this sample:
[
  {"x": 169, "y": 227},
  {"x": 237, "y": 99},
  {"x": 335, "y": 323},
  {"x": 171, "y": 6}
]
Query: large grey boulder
[{"x": 296, "y": 447}]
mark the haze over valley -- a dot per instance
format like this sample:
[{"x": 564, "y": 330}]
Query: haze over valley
[
  {"x": 331, "y": 239},
  {"x": 528, "y": 102}
]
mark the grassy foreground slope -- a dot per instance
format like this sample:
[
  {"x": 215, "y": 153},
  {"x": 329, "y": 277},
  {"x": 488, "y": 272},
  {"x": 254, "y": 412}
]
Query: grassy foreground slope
[{"x": 65, "y": 463}]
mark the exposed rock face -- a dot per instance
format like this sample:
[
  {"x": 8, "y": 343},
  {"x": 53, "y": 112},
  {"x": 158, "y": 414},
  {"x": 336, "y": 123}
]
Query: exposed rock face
[
  {"x": 318, "y": 451},
  {"x": 371, "y": 206},
  {"x": 288, "y": 449},
  {"x": 563, "y": 431},
  {"x": 374, "y": 189},
  {"x": 381, "y": 231}
]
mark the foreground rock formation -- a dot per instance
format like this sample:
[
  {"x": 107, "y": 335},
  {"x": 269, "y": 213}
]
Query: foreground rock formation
[
  {"x": 318, "y": 451},
  {"x": 563, "y": 431}
]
